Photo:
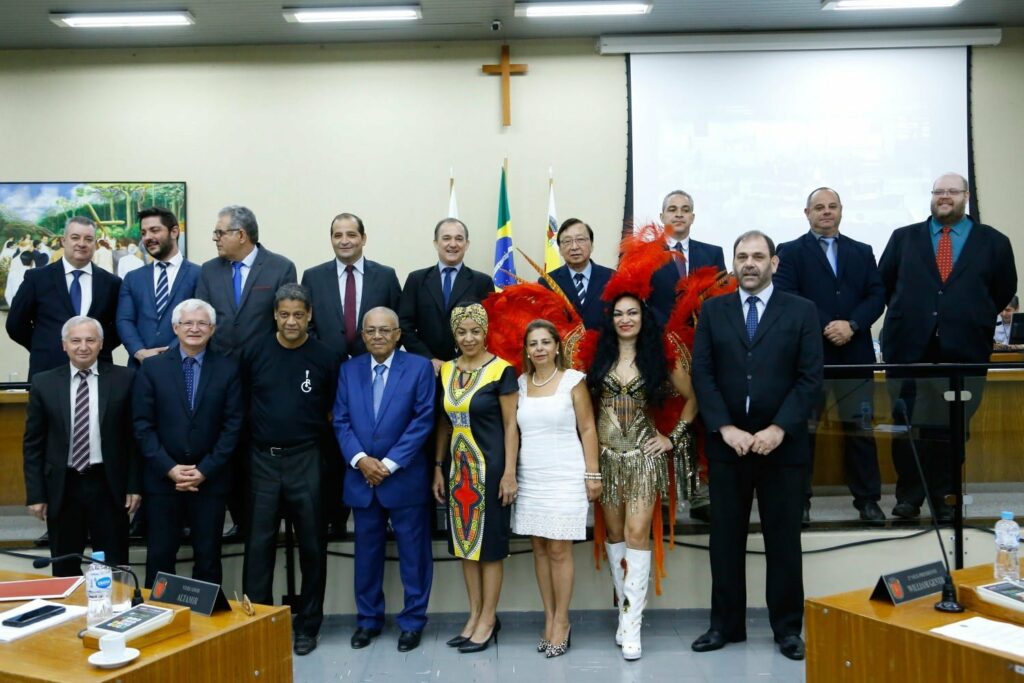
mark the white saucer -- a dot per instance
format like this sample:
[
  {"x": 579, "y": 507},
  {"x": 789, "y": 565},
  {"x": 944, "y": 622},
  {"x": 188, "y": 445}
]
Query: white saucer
[{"x": 100, "y": 659}]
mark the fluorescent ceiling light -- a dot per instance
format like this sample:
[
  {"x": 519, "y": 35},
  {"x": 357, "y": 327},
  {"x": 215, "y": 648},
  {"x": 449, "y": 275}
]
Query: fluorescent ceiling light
[
  {"x": 321, "y": 15},
  {"x": 580, "y": 9},
  {"x": 887, "y": 4},
  {"x": 123, "y": 19}
]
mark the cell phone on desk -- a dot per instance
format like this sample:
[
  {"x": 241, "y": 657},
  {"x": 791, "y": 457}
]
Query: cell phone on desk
[{"x": 33, "y": 616}]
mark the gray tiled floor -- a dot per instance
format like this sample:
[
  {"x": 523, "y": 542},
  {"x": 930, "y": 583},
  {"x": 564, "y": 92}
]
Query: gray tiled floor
[{"x": 593, "y": 657}]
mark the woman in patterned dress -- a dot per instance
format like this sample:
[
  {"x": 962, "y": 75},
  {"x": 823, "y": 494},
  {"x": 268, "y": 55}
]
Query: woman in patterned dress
[
  {"x": 628, "y": 378},
  {"x": 477, "y": 447}
]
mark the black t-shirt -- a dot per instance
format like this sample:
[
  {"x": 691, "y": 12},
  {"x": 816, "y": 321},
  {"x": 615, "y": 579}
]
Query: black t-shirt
[{"x": 291, "y": 391}]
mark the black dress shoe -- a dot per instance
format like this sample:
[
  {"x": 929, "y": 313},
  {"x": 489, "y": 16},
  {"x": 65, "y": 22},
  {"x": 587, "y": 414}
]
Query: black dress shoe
[
  {"x": 409, "y": 640},
  {"x": 457, "y": 640},
  {"x": 906, "y": 511},
  {"x": 870, "y": 512},
  {"x": 702, "y": 513},
  {"x": 362, "y": 637},
  {"x": 304, "y": 644},
  {"x": 713, "y": 640},
  {"x": 791, "y": 647}
]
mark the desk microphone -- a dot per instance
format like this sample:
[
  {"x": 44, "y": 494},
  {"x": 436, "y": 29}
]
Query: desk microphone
[
  {"x": 41, "y": 562},
  {"x": 948, "y": 603}
]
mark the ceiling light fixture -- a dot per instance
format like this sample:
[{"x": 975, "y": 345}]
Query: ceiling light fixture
[
  {"x": 123, "y": 19},
  {"x": 324, "y": 15},
  {"x": 580, "y": 9},
  {"x": 887, "y": 4}
]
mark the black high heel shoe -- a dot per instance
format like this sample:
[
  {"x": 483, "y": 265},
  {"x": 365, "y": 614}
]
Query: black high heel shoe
[
  {"x": 561, "y": 648},
  {"x": 471, "y": 646},
  {"x": 457, "y": 640}
]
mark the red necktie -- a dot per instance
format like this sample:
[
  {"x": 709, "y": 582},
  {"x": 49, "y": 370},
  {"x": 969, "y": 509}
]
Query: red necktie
[
  {"x": 944, "y": 255},
  {"x": 350, "y": 305}
]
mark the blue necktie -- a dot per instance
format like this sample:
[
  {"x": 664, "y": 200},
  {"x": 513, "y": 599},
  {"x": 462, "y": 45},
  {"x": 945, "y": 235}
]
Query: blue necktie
[
  {"x": 236, "y": 280},
  {"x": 681, "y": 260},
  {"x": 76, "y": 292},
  {"x": 827, "y": 243},
  {"x": 581, "y": 290},
  {"x": 446, "y": 285},
  {"x": 378, "y": 386},
  {"x": 752, "y": 317},
  {"x": 190, "y": 380},
  {"x": 162, "y": 290}
]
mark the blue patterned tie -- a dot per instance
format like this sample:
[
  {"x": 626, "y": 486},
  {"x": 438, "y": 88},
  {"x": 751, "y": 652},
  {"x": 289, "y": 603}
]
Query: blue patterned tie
[
  {"x": 827, "y": 244},
  {"x": 446, "y": 286},
  {"x": 581, "y": 290},
  {"x": 76, "y": 292},
  {"x": 752, "y": 317},
  {"x": 190, "y": 380},
  {"x": 236, "y": 280},
  {"x": 162, "y": 290},
  {"x": 378, "y": 386}
]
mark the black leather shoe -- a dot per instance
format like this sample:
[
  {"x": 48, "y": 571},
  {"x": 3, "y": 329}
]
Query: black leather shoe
[
  {"x": 906, "y": 511},
  {"x": 870, "y": 512},
  {"x": 409, "y": 640},
  {"x": 791, "y": 647},
  {"x": 470, "y": 646},
  {"x": 713, "y": 640},
  {"x": 362, "y": 637},
  {"x": 702, "y": 513},
  {"x": 456, "y": 641},
  {"x": 304, "y": 644}
]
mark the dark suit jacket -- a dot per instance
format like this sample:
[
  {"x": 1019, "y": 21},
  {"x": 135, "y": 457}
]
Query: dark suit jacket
[
  {"x": 962, "y": 309},
  {"x": 137, "y": 322},
  {"x": 664, "y": 280},
  {"x": 854, "y": 293},
  {"x": 170, "y": 434},
  {"x": 236, "y": 325},
  {"x": 592, "y": 310},
  {"x": 48, "y": 434},
  {"x": 42, "y": 306},
  {"x": 780, "y": 370},
  {"x": 380, "y": 288},
  {"x": 426, "y": 330},
  {"x": 399, "y": 432}
]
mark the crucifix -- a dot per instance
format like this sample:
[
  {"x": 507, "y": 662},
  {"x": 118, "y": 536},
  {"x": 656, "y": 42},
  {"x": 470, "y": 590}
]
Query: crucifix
[{"x": 505, "y": 70}]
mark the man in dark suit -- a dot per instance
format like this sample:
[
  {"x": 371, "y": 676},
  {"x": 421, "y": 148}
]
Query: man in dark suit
[
  {"x": 187, "y": 416},
  {"x": 50, "y": 296},
  {"x": 580, "y": 278},
  {"x": 946, "y": 279},
  {"x": 677, "y": 215},
  {"x": 240, "y": 283},
  {"x": 383, "y": 416},
  {"x": 757, "y": 372},
  {"x": 341, "y": 290},
  {"x": 81, "y": 464},
  {"x": 840, "y": 276},
  {"x": 430, "y": 294},
  {"x": 149, "y": 294}
]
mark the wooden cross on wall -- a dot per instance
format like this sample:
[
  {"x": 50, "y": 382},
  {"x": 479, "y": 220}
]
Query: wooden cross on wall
[{"x": 505, "y": 70}]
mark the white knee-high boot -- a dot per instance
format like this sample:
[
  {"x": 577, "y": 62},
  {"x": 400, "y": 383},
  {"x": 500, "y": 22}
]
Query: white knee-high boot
[
  {"x": 638, "y": 563},
  {"x": 616, "y": 556}
]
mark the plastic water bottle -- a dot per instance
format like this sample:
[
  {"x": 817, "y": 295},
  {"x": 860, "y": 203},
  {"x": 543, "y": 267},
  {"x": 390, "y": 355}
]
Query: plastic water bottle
[
  {"x": 1007, "y": 565},
  {"x": 98, "y": 589}
]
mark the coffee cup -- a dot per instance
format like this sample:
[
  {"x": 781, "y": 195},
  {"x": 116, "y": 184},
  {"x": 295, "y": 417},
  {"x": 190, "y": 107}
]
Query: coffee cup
[{"x": 112, "y": 646}]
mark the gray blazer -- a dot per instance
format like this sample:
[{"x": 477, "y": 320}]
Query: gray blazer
[{"x": 255, "y": 315}]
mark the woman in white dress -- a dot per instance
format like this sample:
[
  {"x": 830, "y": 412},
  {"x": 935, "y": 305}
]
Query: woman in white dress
[{"x": 558, "y": 473}]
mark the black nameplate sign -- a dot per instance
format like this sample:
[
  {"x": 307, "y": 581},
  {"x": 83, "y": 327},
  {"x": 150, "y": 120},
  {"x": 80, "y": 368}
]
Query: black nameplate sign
[
  {"x": 200, "y": 596},
  {"x": 910, "y": 584}
]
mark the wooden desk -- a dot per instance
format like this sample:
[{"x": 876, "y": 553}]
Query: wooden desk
[
  {"x": 228, "y": 646},
  {"x": 851, "y": 639}
]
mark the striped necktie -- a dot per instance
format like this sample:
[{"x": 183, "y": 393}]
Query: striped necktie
[
  {"x": 581, "y": 289},
  {"x": 162, "y": 290},
  {"x": 80, "y": 429}
]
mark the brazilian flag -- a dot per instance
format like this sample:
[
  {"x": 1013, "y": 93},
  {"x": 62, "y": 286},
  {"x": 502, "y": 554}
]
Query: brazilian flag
[{"x": 504, "y": 254}]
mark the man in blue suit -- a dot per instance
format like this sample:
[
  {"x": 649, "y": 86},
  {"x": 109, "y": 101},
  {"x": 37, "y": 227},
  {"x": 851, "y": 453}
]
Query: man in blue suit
[
  {"x": 188, "y": 415},
  {"x": 677, "y": 215},
  {"x": 383, "y": 414},
  {"x": 580, "y": 278},
  {"x": 149, "y": 294},
  {"x": 840, "y": 276}
]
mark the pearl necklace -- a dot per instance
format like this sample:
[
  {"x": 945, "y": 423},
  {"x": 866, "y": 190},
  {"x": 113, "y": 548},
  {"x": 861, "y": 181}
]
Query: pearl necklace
[{"x": 533, "y": 378}]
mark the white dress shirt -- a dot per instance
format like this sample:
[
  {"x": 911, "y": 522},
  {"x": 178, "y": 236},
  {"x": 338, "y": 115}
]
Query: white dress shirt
[
  {"x": 84, "y": 281},
  {"x": 390, "y": 464},
  {"x": 95, "y": 446},
  {"x": 174, "y": 265},
  {"x": 357, "y": 272}
]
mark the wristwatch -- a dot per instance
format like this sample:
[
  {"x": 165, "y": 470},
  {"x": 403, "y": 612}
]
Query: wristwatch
[{"x": 853, "y": 325}]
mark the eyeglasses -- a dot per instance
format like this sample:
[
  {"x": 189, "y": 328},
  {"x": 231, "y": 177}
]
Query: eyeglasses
[
  {"x": 578, "y": 241},
  {"x": 201, "y": 324},
  {"x": 947, "y": 193},
  {"x": 382, "y": 331},
  {"x": 217, "y": 234}
]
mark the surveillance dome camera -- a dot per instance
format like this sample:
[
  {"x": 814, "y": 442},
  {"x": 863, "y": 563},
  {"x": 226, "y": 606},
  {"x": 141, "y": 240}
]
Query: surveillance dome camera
[{"x": 496, "y": 25}]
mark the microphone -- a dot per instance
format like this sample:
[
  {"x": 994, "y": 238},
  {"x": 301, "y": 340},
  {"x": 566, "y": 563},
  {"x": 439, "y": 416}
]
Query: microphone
[
  {"x": 41, "y": 562},
  {"x": 948, "y": 602}
]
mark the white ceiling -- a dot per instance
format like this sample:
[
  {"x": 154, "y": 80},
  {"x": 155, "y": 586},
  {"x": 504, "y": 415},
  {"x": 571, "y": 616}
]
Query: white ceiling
[{"x": 25, "y": 23}]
